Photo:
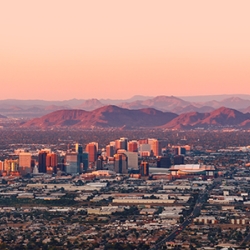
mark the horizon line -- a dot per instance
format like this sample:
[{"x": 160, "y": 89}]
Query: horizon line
[{"x": 118, "y": 99}]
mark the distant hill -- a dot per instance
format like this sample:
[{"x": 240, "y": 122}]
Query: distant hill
[
  {"x": 54, "y": 107},
  {"x": 200, "y": 104},
  {"x": 217, "y": 118},
  {"x": 208, "y": 98},
  {"x": 132, "y": 99},
  {"x": 163, "y": 103},
  {"x": 192, "y": 108},
  {"x": 224, "y": 117},
  {"x": 245, "y": 124},
  {"x": 232, "y": 102},
  {"x": 90, "y": 105},
  {"x": 107, "y": 116},
  {"x": 116, "y": 117},
  {"x": 245, "y": 110},
  {"x": 186, "y": 121}
]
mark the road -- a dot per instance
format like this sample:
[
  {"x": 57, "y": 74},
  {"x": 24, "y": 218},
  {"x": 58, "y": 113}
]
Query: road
[
  {"x": 246, "y": 239},
  {"x": 202, "y": 198}
]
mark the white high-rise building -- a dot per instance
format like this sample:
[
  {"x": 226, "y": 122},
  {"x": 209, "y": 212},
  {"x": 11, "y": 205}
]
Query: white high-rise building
[{"x": 132, "y": 158}]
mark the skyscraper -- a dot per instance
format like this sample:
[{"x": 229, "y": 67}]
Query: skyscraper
[
  {"x": 132, "y": 158},
  {"x": 24, "y": 163},
  {"x": 124, "y": 142},
  {"x": 92, "y": 150},
  {"x": 132, "y": 146},
  {"x": 155, "y": 146},
  {"x": 121, "y": 163},
  {"x": 143, "y": 141},
  {"x": 99, "y": 163},
  {"x": 144, "y": 169},
  {"x": 83, "y": 160},
  {"x": 10, "y": 165},
  {"x": 121, "y": 144},
  {"x": 71, "y": 159},
  {"x": 51, "y": 162},
  {"x": 77, "y": 147},
  {"x": 54, "y": 160},
  {"x": 110, "y": 151},
  {"x": 1, "y": 166},
  {"x": 42, "y": 161}
]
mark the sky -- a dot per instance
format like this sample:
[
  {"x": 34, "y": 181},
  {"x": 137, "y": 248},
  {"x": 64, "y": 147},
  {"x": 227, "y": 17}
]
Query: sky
[{"x": 59, "y": 50}]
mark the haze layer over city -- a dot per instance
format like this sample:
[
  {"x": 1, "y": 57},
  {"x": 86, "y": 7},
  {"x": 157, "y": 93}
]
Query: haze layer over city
[{"x": 125, "y": 125}]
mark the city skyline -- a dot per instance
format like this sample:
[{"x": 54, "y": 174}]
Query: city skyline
[{"x": 60, "y": 50}]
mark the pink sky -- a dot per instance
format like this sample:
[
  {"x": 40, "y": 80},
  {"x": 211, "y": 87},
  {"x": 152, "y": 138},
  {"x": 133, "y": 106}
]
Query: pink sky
[{"x": 57, "y": 49}]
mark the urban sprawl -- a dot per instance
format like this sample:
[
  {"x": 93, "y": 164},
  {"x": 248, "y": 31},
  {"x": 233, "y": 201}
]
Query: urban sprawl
[{"x": 179, "y": 190}]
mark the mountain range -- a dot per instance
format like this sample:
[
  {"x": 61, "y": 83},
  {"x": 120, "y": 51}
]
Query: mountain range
[
  {"x": 222, "y": 117},
  {"x": 116, "y": 117},
  {"x": 107, "y": 116},
  {"x": 29, "y": 109}
]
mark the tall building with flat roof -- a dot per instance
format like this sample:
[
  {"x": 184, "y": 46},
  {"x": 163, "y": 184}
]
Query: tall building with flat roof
[
  {"x": 132, "y": 158},
  {"x": 99, "y": 163},
  {"x": 83, "y": 161},
  {"x": 10, "y": 165},
  {"x": 120, "y": 144},
  {"x": 110, "y": 151},
  {"x": 76, "y": 161},
  {"x": 51, "y": 162},
  {"x": 163, "y": 162},
  {"x": 124, "y": 142},
  {"x": 71, "y": 159},
  {"x": 92, "y": 151},
  {"x": 155, "y": 146},
  {"x": 121, "y": 163},
  {"x": 112, "y": 143},
  {"x": 179, "y": 150},
  {"x": 42, "y": 161},
  {"x": 54, "y": 160},
  {"x": 24, "y": 163},
  {"x": 144, "y": 169},
  {"x": 144, "y": 150},
  {"x": 1, "y": 166},
  {"x": 132, "y": 146},
  {"x": 143, "y": 141}
]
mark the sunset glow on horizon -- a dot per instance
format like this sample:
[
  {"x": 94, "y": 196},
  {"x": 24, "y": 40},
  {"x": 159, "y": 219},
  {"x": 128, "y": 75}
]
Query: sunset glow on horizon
[{"x": 58, "y": 50}]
